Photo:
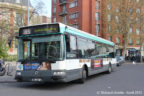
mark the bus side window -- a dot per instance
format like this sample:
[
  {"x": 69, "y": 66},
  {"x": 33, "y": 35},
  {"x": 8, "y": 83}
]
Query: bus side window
[
  {"x": 91, "y": 48},
  {"x": 82, "y": 47},
  {"x": 107, "y": 48},
  {"x": 71, "y": 46},
  {"x": 67, "y": 38},
  {"x": 100, "y": 48}
]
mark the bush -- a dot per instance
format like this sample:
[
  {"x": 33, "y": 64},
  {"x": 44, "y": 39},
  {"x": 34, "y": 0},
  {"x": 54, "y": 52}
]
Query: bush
[
  {"x": 11, "y": 58},
  {"x": 3, "y": 49}
]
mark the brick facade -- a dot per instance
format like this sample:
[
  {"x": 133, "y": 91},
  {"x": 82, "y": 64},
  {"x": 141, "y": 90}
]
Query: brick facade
[{"x": 86, "y": 10}]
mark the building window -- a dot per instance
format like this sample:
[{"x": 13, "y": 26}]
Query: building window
[
  {"x": 118, "y": 30},
  {"x": 137, "y": 1},
  {"x": 110, "y": 38},
  {"x": 54, "y": 9},
  {"x": 137, "y": 31},
  {"x": 97, "y": 16},
  {"x": 137, "y": 11},
  {"x": 109, "y": 6},
  {"x": 130, "y": 11},
  {"x": 117, "y": 9},
  {"x": 75, "y": 26},
  {"x": 137, "y": 20},
  {"x": 130, "y": 30},
  {"x": 0, "y": 17},
  {"x": 109, "y": 17},
  {"x": 73, "y": 15},
  {"x": 19, "y": 19},
  {"x": 97, "y": 28},
  {"x": 54, "y": 1},
  {"x": 64, "y": 7},
  {"x": 73, "y": 4},
  {"x": 138, "y": 41},
  {"x": 109, "y": 28},
  {"x": 65, "y": 21},
  {"x": 117, "y": 19},
  {"x": 97, "y": 4},
  {"x": 117, "y": 40},
  {"x": 130, "y": 41},
  {"x": 54, "y": 19},
  {"x": 18, "y": 1}
]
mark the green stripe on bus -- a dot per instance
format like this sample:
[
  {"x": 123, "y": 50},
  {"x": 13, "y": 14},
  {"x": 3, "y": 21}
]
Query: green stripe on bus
[{"x": 62, "y": 30}]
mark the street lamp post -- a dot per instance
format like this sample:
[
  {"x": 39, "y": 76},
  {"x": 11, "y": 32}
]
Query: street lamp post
[{"x": 28, "y": 13}]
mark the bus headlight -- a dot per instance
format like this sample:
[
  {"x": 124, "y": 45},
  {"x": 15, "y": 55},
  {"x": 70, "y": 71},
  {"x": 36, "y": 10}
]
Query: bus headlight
[
  {"x": 59, "y": 73},
  {"x": 18, "y": 73},
  {"x": 19, "y": 66}
]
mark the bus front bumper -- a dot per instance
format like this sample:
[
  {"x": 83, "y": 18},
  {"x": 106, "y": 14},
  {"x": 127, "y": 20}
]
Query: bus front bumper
[{"x": 41, "y": 76}]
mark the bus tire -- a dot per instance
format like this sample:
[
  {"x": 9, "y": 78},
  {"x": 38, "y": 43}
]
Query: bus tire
[
  {"x": 83, "y": 76},
  {"x": 109, "y": 69}
]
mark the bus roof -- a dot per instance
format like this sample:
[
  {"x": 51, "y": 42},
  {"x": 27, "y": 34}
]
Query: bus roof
[
  {"x": 67, "y": 29},
  {"x": 71, "y": 30}
]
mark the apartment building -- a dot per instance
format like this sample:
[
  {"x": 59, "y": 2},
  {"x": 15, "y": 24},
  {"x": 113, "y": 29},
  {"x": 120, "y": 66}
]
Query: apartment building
[
  {"x": 102, "y": 18},
  {"x": 82, "y": 14}
]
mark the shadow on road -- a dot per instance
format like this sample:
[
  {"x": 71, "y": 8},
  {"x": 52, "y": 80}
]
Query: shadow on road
[{"x": 53, "y": 86}]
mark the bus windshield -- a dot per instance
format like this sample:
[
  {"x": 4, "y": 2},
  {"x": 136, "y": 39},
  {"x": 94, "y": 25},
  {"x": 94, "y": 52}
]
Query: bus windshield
[{"x": 41, "y": 48}]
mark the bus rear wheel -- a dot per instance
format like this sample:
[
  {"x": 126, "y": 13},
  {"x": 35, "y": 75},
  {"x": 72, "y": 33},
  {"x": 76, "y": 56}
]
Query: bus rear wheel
[
  {"x": 109, "y": 69},
  {"x": 84, "y": 76}
]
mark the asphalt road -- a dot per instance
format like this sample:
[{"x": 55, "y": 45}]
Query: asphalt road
[{"x": 126, "y": 80}]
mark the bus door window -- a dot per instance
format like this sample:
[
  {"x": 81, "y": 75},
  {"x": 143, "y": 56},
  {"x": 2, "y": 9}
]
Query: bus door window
[
  {"x": 35, "y": 51},
  {"x": 27, "y": 49},
  {"x": 71, "y": 47}
]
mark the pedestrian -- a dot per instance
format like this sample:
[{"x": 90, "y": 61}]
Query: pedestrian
[{"x": 133, "y": 59}]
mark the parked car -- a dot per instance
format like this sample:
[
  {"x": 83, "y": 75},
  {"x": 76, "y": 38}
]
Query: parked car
[{"x": 120, "y": 60}]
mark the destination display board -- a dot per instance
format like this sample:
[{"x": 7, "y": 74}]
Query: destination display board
[{"x": 39, "y": 29}]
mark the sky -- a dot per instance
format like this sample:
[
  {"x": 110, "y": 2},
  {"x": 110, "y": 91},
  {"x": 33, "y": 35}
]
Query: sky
[{"x": 46, "y": 10}]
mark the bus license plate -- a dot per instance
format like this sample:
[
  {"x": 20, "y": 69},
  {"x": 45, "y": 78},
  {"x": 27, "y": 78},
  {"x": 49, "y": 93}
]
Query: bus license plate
[{"x": 36, "y": 79}]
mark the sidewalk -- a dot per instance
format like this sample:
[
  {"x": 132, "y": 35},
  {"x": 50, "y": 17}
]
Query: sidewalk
[
  {"x": 130, "y": 62},
  {"x": 7, "y": 79}
]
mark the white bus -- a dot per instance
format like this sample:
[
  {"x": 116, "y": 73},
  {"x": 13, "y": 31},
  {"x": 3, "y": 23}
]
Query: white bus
[{"x": 59, "y": 53}]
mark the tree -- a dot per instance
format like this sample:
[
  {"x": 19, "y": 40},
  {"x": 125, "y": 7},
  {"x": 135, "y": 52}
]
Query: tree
[
  {"x": 123, "y": 19},
  {"x": 10, "y": 22},
  {"x": 126, "y": 22},
  {"x": 140, "y": 20},
  {"x": 3, "y": 49},
  {"x": 38, "y": 7},
  {"x": 132, "y": 14}
]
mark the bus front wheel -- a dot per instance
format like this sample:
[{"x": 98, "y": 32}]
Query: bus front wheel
[{"x": 84, "y": 76}]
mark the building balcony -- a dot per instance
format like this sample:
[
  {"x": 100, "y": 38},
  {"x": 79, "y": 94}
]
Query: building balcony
[
  {"x": 62, "y": 2},
  {"x": 64, "y": 22},
  {"x": 63, "y": 13}
]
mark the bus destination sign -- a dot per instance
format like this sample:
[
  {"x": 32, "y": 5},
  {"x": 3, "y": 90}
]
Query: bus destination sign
[{"x": 39, "y": 29}]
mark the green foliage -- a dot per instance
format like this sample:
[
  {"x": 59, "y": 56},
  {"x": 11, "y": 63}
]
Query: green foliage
[
  {"x": 3, "y": 49},
  {"x": 11, "y": 58}
]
